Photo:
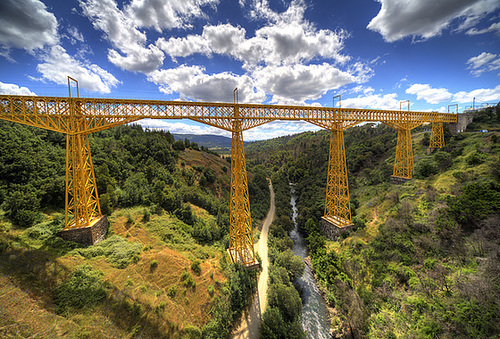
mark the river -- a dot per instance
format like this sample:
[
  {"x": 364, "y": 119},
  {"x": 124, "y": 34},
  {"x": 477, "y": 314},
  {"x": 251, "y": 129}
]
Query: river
[{"x": 314, "y": 313}]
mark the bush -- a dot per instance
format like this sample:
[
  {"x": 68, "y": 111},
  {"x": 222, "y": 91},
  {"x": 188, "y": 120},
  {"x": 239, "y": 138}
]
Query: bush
[
  {"x": 287, "y": 300},
  {"x": 118, "y": 250},
  {"x": 44, "y": 231},
  {"x": 82, "y": 290},
  {"x": 426, "y": 167},
  {"x": 195, "y": 267},
  {"x": 475, "y": 158},
  {"x": 192, "y": 332},
  {"x": 146, "y": 216},
  {"x": 22, "y": 208},
  {"x": 172, "y": 291},
  {"x": 477, "y": 201}
]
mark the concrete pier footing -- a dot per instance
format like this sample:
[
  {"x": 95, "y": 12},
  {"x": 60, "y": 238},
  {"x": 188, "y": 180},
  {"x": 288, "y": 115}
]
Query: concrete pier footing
[
  {"x": 332, "y": 227},
  {"x": 237, "y": 257},
  {"x": 88, "y": 235},
  {"x": 398, "y": 180}
]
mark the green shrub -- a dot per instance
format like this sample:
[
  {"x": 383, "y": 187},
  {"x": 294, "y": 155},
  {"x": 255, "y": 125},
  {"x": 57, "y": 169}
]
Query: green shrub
[
  {"x": 44, "y": 230},
  {"x": 475, "y": 158},
  {"x": 130, "y": 221},
  {"x": 210, "y": 290},
  {"x": 195, "y": 267},
  {"x": 119, "y": 251},
  {"x": 154, "y": 264},
  {"x": 146, "y": 216},
  {"x": 192, "y": 332},
  {"x": 22, "y": 208},
  {"x": 172, "y": 291},
  {"x": 82, "y": 290}
]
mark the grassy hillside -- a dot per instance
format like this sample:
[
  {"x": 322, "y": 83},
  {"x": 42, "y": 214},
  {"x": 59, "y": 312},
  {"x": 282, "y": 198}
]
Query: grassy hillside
[{"x": 161, "y": 272}]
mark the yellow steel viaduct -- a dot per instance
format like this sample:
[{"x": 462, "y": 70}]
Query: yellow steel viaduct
[{"x": 78, "y": 117}]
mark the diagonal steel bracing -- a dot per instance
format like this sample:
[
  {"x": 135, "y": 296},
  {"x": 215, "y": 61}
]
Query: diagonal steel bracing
[{"x": 337, "y": 204}]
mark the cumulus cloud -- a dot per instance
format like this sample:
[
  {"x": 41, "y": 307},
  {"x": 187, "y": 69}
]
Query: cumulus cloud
[
  {"x": 294, "y": 84},
  {"x": 429, "y": 94},
  {"x": 192, "y": 82},
  {"x": 167, "y": 14},
  {"x": 276, "y": 58},
  {"x": 375, "y": 101},
  {"x": 13, "y": 89},
  {"x": 427, "y": 18},
  {"x": 484, "y": 62},
  {"x": 122, "y": 28},
  {"x": 491, "y": 95},
  {"x": 276, "y": 44},
  {"x": 58, "y": 64},
  {"x": 121, "y": 31},
  {"x": 26, "y": 24}
]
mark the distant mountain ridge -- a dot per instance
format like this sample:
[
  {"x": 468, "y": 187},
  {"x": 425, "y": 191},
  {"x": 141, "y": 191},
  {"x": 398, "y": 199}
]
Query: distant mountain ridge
[{"x": 207, "y": 140}]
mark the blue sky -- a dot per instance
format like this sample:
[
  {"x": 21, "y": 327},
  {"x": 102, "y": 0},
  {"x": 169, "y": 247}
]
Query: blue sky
[{"x": 374, "y": 54}]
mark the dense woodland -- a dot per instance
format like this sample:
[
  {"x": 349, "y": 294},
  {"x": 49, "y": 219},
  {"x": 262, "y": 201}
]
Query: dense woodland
[{"x": 424, "y": 258}]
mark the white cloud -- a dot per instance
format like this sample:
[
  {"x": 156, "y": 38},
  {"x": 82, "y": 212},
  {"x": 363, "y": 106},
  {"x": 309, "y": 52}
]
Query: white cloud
[
  {"x": 74, "y": 35},
  {"x": 275, "y": 44},
  {"x": 267, "y": 131},
  {"x": 375, "y": 101},
  {"x": 362, "y": 89},
  {"x": 493, "y": 28},
  {"x": 13, "y": 89},
  {"x": 167, "y": 14},
  {"x": 193, "y": 82},
  {"x": 429, "y": 94},
  {"x": 298, "y": 83},
  {"x": 484, "y": 62},
  {"x": 262, "y": 10},
  {"x": 491, "y": 95},
  {"x": 121, "y": 31},
  {"x": 58, "y": 65},
  {"x": 278, "y": 129},
  {"x": 181, "y": 127},
  {"x": 26, "y": 24},
  {"x": 427, "y": 18}
]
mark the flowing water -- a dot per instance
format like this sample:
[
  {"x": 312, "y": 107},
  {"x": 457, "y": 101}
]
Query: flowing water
[{"x": 314, "y": 312}]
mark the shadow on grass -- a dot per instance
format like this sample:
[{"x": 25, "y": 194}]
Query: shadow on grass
[{"x": 38, "y": 272}]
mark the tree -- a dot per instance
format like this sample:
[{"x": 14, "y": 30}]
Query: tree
[
  {"x": 178, "y": 145},
  {"x": 273, "y": 326},
  {"x": 292, "y": 263},
  {"x": 287, "y": 300}
]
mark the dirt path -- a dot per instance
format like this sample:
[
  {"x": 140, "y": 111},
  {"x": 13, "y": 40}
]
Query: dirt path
[{"x": 250, "y": 320}]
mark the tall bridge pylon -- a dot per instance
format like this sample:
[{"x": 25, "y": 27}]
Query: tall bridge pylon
[{"x": 78, "y": 117}]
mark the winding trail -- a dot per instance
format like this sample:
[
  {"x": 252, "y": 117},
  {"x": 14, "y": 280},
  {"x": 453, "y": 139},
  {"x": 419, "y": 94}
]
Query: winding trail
[{"x": 250, "y": 319}]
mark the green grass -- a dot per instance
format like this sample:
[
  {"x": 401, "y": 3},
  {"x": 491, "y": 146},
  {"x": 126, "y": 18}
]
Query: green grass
[
  {"x": 82, "y": 290},
  {"x": 119, "y": 251}
]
